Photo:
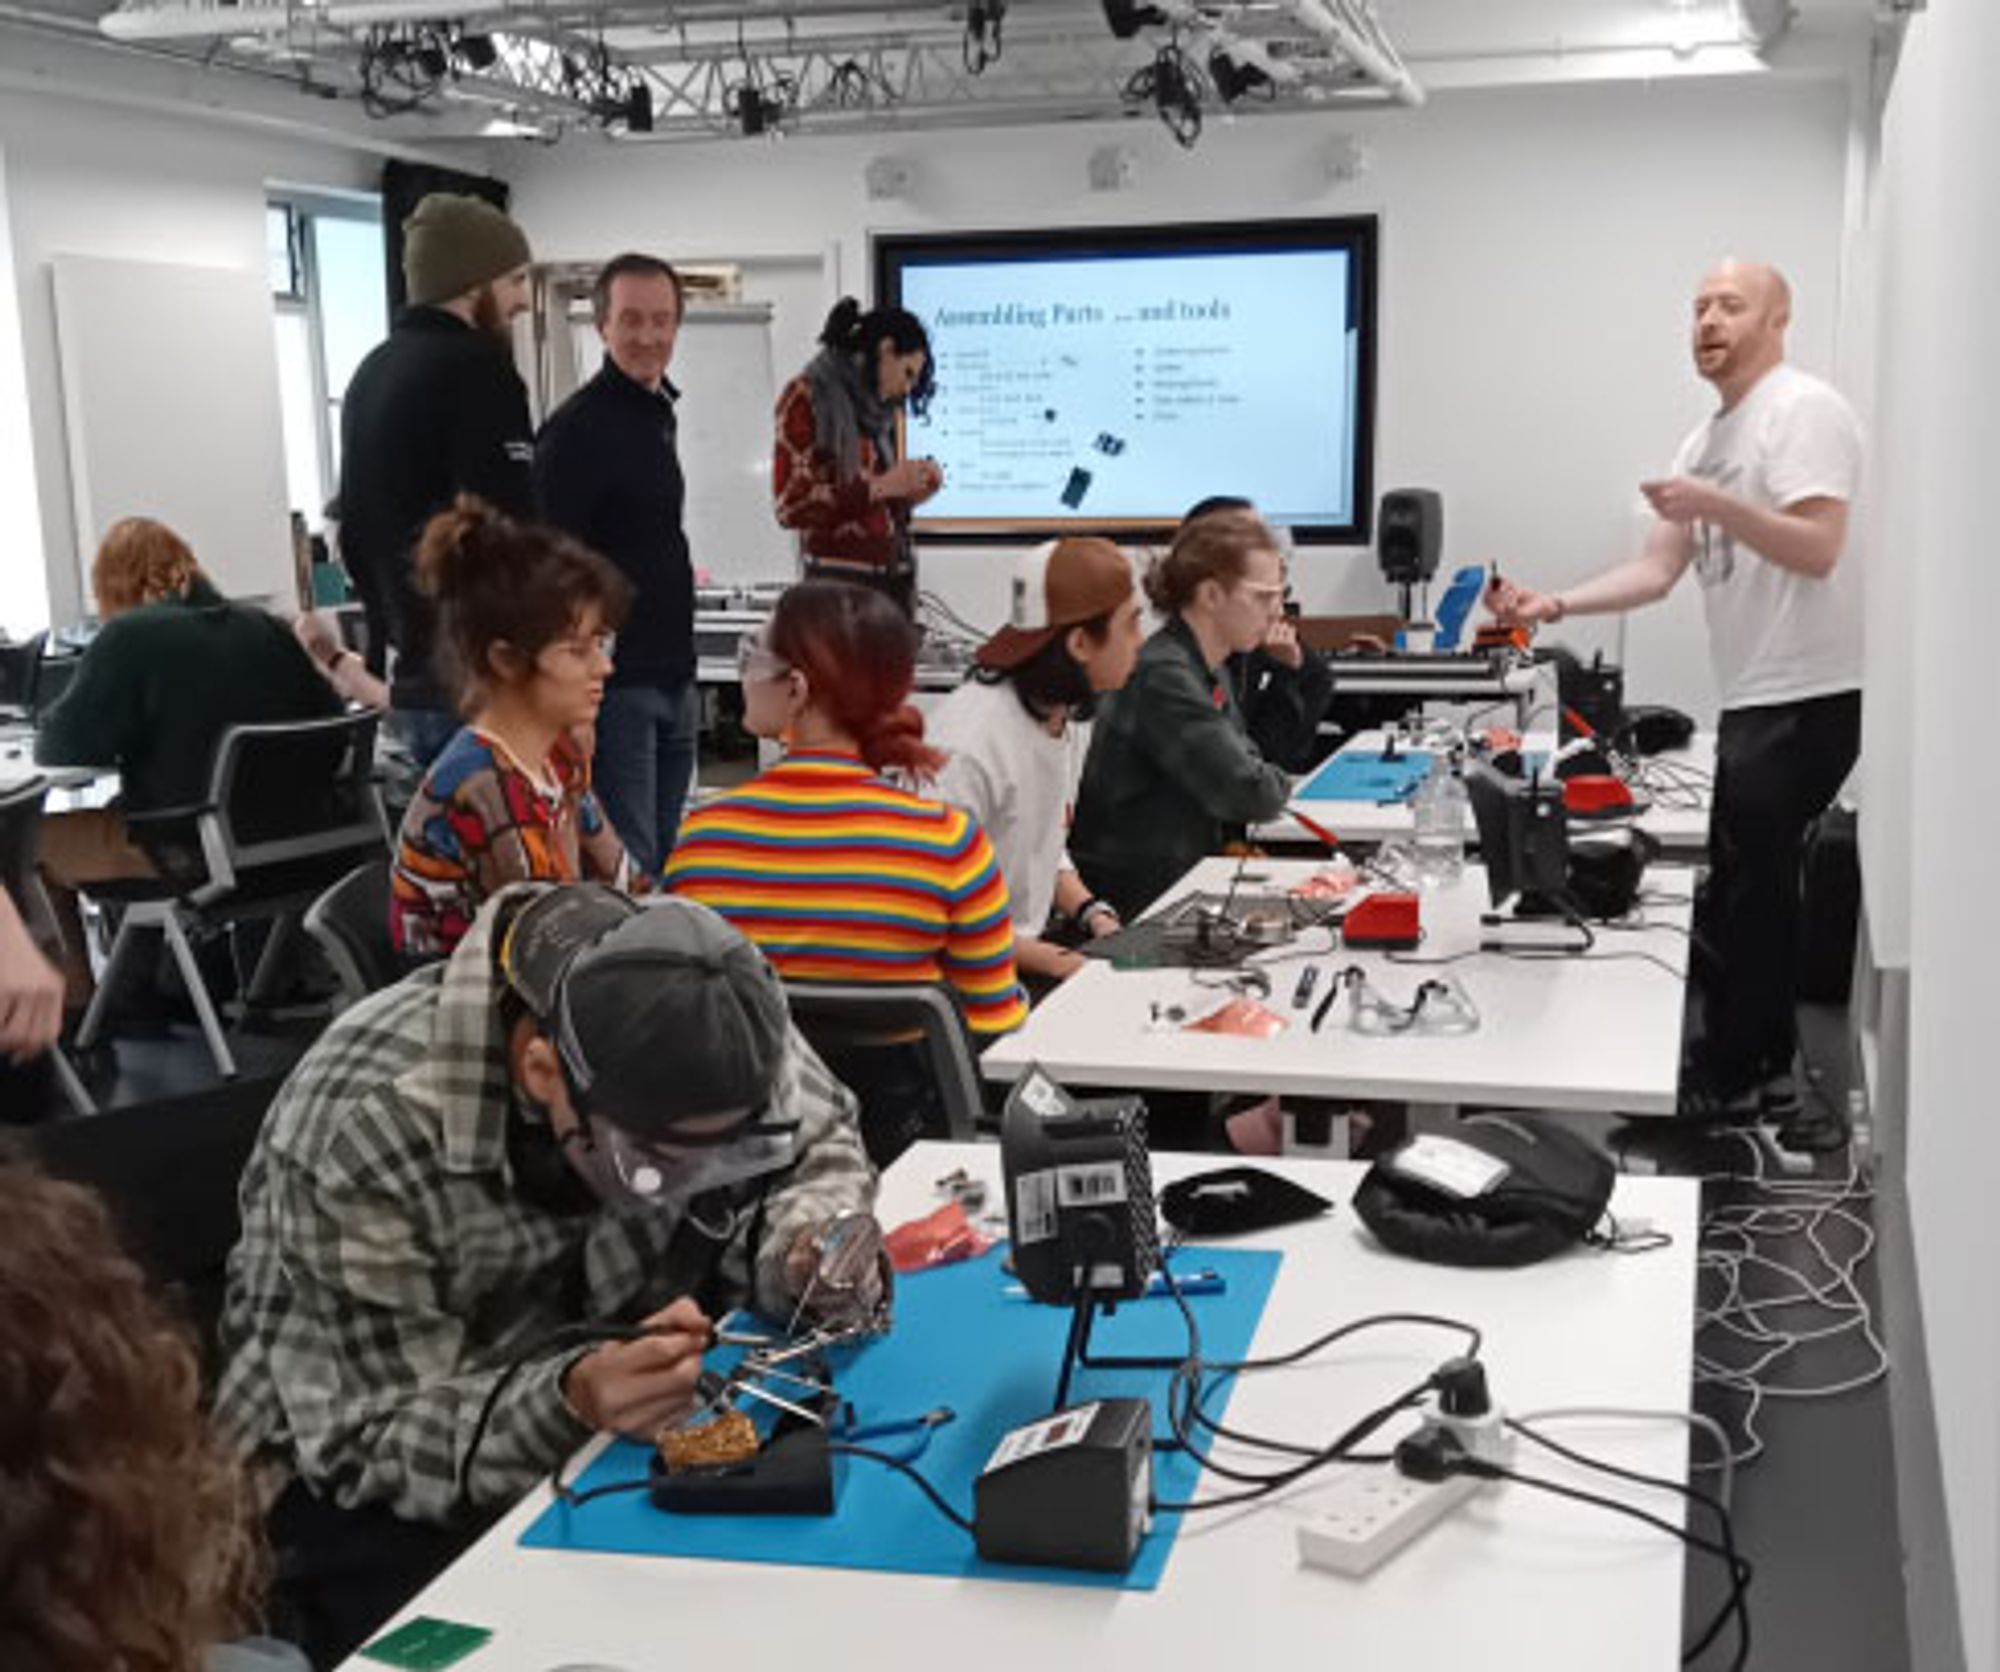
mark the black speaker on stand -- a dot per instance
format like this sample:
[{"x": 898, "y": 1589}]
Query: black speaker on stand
[{"x": 1409, "y": 536}]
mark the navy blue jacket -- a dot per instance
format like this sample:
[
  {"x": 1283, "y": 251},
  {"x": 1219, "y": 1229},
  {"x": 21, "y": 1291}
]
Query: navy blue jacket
[{"x": 607, "y": 471}]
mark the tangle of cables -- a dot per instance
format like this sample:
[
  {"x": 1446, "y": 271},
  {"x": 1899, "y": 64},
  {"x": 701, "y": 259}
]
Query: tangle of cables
[{"x": 1783, "y": 1315}]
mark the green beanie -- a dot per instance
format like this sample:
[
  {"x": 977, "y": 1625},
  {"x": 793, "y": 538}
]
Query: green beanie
[{"x": 452, "y": 244}]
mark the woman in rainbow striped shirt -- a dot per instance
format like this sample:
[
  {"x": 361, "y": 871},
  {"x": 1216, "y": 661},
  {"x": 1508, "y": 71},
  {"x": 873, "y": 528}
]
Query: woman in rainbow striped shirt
[{"x": 836, "y": 874}]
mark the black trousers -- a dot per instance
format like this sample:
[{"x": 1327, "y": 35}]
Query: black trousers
[
  {"x": 1777, "y": 769},
  {"x": 341, "y": 1573}
]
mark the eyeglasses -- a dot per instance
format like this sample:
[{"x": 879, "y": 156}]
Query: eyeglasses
[
  {"x": 586, "y": 647},
  {"x": 1271, "y": 594},
  {"x": 757, "y": 660},
  {"x": 1440, "y": 1005}
]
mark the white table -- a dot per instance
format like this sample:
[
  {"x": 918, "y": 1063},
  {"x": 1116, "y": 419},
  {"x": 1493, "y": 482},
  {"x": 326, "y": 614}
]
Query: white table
[
  {"x": 1678, "y": 822},
  {"x": 1559, "y": 1033},
  {"x": 1514, "y": 1579},
  {"x": 70, "y": 787}
]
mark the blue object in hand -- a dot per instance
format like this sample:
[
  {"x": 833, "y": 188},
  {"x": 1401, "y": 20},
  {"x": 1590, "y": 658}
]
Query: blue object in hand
[{"x": 1456, "y": 605}]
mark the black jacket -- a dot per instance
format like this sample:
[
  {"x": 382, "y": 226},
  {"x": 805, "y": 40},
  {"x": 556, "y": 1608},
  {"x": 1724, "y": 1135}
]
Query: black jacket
[
  {"x": 607, "y": 471},
  {"x": 434, "y": 411}
]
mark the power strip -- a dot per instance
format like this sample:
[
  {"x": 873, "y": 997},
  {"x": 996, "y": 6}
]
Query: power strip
[{"x": 1372, "y": 1512}]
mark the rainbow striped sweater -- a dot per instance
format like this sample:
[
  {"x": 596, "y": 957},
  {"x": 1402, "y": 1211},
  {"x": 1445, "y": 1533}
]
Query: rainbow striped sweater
[{"x": 838, "y": 876}]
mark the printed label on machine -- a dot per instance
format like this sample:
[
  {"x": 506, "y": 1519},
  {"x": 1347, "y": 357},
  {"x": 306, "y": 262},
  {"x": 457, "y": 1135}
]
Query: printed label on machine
[
  {"x": 1091, "y": 1184},
  {"x": 1035, "y": 1206},
  {"x": 1066, "y": 1428}
]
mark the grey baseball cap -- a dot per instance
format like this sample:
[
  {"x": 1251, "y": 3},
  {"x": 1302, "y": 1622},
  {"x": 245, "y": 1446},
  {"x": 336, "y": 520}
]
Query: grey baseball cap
[{"x": 663, "y": 1013}]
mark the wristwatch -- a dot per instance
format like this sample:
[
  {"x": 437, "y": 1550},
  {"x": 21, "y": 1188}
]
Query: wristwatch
[{"x": 1094, "y": 904}]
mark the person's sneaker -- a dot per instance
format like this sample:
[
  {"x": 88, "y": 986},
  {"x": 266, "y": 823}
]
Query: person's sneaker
[
  {"x": 1701, "y": 1102},
  {"x": 1806, "y": 1127}
]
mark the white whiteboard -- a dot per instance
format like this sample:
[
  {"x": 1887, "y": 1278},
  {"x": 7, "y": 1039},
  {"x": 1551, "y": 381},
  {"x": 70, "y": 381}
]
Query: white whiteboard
[
  {"x": 170, "y": 404},
  {"x": 722, "y": 367}
]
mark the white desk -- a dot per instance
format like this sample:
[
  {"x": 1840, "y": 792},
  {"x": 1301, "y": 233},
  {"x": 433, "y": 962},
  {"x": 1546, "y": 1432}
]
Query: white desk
[
  {"x": 1558, "y": 1033},
  {"x": 1515, "y": 1579},
  {"x": 1679, "y": 822},
  {"x": 70, "y": 787}
]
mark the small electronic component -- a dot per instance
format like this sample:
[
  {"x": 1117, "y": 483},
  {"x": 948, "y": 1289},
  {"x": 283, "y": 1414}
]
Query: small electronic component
[{"x": 728, "y": 1438}]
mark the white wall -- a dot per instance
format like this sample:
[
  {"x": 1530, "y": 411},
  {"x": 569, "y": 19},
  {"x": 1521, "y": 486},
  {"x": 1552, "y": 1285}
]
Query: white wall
[
  {"x": 1939, "y": 352},
  {"x": 93, "y": 179},
  {"x": 24, "y": 593},
  {"x": 1539, "y": 247}
]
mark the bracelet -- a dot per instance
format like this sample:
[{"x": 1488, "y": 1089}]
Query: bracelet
[
  {"x": 332, "y": 663},
  {"x": 1082, "y": 913}
]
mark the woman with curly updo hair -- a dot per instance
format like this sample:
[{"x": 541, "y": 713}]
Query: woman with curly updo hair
[{"x": 128, "y": 1541}]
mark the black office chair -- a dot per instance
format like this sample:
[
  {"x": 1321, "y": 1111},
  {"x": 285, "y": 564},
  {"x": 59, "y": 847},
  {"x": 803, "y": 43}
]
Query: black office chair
[
  {"x": 20, "y": 875},
  {"x": 350, "y": 921},
  {"x": 292, "y": 808},
  {"x": 171, "y": 1184},
  {"x": 905, "y": 1052},
  {"x": 20, "y": 675}
]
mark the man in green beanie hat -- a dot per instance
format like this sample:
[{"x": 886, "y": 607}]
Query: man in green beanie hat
[{"x": 435, "y": 411}]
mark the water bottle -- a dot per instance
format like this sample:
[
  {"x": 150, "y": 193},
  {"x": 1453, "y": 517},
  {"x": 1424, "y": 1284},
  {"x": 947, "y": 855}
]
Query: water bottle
[{"x": 1439, "y": 808}]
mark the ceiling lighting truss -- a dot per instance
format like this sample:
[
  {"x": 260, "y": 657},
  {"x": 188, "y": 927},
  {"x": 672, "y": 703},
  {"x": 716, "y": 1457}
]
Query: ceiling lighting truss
[{"x": 709, "y": 68}]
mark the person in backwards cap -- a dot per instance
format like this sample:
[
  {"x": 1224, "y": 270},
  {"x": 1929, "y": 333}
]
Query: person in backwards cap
[
  {"x": 597, "y": 1111},
  {"x": 1015, "y": 735}
]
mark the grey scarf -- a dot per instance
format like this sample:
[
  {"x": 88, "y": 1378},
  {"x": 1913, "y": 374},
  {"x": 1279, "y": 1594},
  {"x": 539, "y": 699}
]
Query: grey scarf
[{"x": 845, "y": 409}]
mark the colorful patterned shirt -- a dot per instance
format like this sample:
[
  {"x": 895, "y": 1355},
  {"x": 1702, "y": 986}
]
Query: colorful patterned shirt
[
  {"x": 478, "y": 823},
  {"x": 839, "y": 876},
  {"x": 394, "y": 1261}
]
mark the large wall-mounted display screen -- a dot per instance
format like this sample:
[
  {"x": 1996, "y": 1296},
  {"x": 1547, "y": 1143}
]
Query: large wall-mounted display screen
[{"x": 1104, "y": 380}]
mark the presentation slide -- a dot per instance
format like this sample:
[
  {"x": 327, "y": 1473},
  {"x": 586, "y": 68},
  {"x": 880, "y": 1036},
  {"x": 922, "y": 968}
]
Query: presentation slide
[{"x": 1126, "y": 387}]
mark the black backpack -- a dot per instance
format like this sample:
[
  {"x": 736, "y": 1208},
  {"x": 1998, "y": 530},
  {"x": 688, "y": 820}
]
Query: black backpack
[{"x": 1497, "y": 1190}]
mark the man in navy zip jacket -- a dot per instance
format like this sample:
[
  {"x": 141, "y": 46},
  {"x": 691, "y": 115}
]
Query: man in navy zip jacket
[{"x": 608, "y": 471}]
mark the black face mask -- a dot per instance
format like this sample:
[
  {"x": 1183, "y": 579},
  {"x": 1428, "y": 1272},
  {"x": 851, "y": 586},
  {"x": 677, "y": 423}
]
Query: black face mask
[
  {"x": 1234, "y": 1200},
  {"x": 543, "y": 1176}
]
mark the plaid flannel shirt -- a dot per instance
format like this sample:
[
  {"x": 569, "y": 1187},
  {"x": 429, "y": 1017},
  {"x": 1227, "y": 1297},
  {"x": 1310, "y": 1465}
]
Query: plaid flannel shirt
[{"x": 390, "y": 1271}]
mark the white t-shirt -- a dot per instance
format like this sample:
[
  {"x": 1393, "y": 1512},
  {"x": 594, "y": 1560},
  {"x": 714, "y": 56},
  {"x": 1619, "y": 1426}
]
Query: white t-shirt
[
  {"x": 1777, "y": 636},
  {"x": 1017, "y": 781}
]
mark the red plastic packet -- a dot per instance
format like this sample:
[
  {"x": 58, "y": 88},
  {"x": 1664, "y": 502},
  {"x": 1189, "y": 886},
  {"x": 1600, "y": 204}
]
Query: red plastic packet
[{"x": 938, "y": 1239}]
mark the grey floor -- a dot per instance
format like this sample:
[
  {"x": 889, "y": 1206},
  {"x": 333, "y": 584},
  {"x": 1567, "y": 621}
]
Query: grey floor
[{"x": 1815, "y": 1514}]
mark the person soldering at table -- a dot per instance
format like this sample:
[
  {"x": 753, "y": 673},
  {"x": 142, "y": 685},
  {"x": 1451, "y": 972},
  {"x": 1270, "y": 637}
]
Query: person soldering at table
[
  {"x": 596, "y": 1111},
  {"x": 1758, "y": 507},
  {"x": 1172, "y": 772}
]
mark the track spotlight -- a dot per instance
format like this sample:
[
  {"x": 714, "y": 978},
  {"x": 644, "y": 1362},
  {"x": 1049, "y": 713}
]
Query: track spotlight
[
  {"x": 1128, "y": 17},
  {"x": 1233, "y": 77}
]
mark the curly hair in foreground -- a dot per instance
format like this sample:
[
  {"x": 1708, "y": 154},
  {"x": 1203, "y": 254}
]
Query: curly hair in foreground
[{"x": 127, "y": 1536}]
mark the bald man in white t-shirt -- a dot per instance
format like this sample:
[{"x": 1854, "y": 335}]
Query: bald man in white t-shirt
[{"x": 1759, "y": 507}]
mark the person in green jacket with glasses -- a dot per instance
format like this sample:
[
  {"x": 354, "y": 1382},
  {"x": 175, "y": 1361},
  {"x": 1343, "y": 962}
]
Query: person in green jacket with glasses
[{"x": 1172, "y": 772}]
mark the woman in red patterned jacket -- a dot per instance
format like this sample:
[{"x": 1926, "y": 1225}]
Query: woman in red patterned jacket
[{"x": 834, "y": 471}]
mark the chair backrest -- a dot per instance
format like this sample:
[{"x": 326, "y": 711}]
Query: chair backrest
[
  {"x": 20, "y": 849},
  {"x": 170, "y": 1174},
  {"x": 841, "y": 1019},
  {"x": 350, "y": 921},
  {"x": 21, "y": 672},
  {"x": 295, "y": 801}
]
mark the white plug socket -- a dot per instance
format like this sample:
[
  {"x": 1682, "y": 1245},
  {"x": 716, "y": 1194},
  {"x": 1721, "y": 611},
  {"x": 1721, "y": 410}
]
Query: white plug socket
[{"x": 1372, "y": 1512}]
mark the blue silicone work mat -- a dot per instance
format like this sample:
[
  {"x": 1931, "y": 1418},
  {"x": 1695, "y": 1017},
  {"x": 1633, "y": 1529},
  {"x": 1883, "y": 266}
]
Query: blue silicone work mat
[
  {"x": 1367, "y": 777},
  {"x": 960, "y": 1341}
]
